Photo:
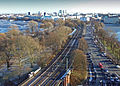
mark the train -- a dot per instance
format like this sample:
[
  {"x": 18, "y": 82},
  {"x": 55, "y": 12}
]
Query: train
[{"x": 71, "y": 34}]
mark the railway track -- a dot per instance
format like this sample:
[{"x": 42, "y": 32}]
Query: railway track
[
  {"x": 52, "y": 82},
  {"x": 55, "y": 69}
]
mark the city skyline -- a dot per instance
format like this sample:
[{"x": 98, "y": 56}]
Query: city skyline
[{"x": 83, "y": 6}]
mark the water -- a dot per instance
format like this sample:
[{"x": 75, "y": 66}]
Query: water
[
  {"x": 22, "y": 25},
  {"x": 115, "y": 28},
  {"x": 4, "y": 25}
]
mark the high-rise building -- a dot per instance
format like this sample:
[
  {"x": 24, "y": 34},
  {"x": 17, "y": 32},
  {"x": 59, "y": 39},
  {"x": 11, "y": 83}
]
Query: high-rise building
[
  {"x": 39, "y": 13},
  {"x": 28, "y": 13},
  {"x": 55, "y": 13},
  {"x": 63, "y": 11},
  {"x": 44, "y": 13},
  {"x": 60, "y": 13}
]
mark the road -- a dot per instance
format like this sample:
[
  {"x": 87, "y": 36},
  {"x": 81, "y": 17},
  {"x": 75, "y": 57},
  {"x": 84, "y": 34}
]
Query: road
[
  {"x": 94, "y": 58},
  {"x": 51, "y": 74}
]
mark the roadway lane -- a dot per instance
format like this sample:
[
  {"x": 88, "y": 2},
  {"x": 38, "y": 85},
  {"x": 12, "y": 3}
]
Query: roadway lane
[
  {"x": 96, "y": 58},
  {"x": 93, "y": 55}
]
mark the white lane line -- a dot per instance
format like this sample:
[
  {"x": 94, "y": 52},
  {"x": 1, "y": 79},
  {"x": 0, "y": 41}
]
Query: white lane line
[{"x": 90, "y": 75}]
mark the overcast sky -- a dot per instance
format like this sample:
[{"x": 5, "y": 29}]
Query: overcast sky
[{"x": 84, "y": 6}]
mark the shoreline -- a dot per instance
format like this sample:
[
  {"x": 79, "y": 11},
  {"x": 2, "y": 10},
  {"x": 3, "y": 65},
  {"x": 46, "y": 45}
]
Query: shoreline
[{"x": 115, "y": 28}]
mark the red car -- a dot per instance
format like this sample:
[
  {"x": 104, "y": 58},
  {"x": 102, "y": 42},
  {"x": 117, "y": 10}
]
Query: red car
[{"x": 100, "y": 65}]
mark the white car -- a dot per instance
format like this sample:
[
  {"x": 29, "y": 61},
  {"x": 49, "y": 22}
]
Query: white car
[
  {"x": 118, "y": 66},
  {"x": 105, "y": 54}
]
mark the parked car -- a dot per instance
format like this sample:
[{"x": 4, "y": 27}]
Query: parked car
[
  {"x": 103, "y": 54},
  {"x": 111, "y": 79},
  {"x": 113, "y": 75},
  {"x": 117, "y": 79},
  {"x": 105, "y": 70},
  {"x": 118, "y": 66}
]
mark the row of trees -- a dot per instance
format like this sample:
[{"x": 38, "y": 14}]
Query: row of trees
[
  {"x": 53, "y": 37},
  {"x": 83, "y": 45},
  {"x": 108, "y": 38},
  {"x": 79, "y": 72},
  {"x": 15, "y": 45},
  {"x": 56, "y": 39},
  {"x": 34, "y": 46},
  {"x": 60, "y": 22}
]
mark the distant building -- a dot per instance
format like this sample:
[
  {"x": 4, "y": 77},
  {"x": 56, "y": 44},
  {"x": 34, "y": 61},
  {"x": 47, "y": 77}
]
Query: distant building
[
  {"x": 85, "y": 19},
  {"x": 111, "y": 19},
  {"x": 57, "y": 17},
  {"x": 39, "y": 14},
  {"x": 44, "y": 13},
  {"x": 28, "y": 13},
  {"x": 54, "y": 13},
  {"x": 60, "y": 13},
  {"x": 46, "y": 17}
]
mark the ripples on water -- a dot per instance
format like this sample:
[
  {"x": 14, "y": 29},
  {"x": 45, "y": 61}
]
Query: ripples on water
[
  {"x": 22, "y": 25},
  {"x": 115, "y": 28},
  {"x": 118, "y": 36},
  {"x": 4, "y": 25}
]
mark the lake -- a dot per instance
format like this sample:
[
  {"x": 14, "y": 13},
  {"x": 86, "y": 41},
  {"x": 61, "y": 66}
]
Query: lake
[
  {"x": 22, "y": 25},
  {"x": 115, "y": 28},
  {"x": 4, "y": 25}
]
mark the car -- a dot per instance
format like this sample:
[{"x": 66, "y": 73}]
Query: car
[
  {"x": 105, "y": 70},
  {"x": 102, "y": 82},
  {"x": 105, "y": 76},
  {"x": 90, "y": 60},
  {"x": 108, "y": 83},
  {"x": 103, "y": 54},
  {"x": 111, "y": 79},
  {"x": 113, "y": 75},
  {"x": 108, "y": 74},
  {"x": 94, "y": 69},
  {"x": 88, "y": 56},
  {"x": 117, "y": 79},
  {"x": 88, "y": 53},
  {"x": 117, "y": 66},
  {"x": 98, "y": 54},
  {"x": 100, "y": 65}
]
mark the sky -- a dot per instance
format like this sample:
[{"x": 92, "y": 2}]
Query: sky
[{"x": 82, "y": 6}]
